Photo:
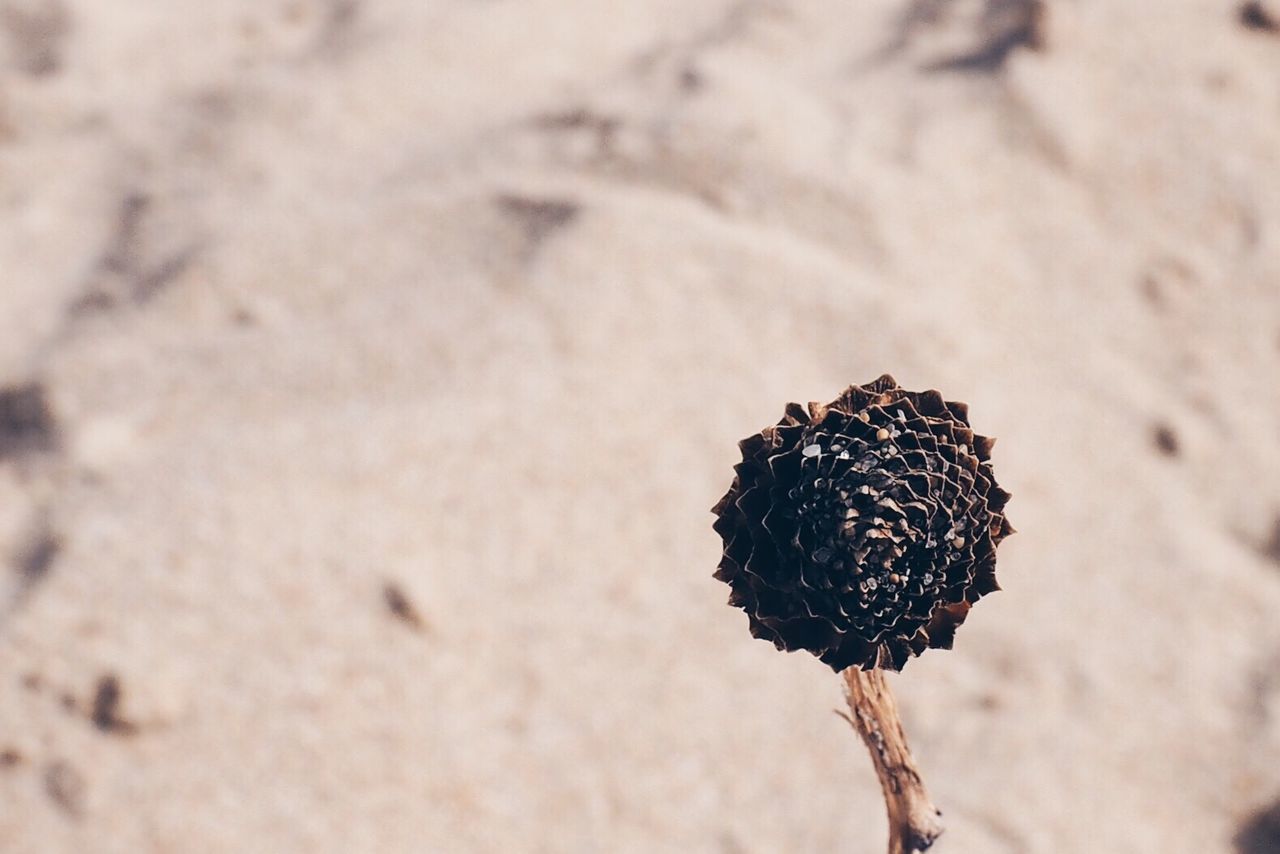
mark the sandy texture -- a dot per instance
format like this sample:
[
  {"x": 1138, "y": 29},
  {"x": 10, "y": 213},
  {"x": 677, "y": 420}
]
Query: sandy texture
[{"x": 372, "y": 367}]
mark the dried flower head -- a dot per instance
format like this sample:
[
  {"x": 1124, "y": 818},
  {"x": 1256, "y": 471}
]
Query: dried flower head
[{"x": 865, "y": 529}]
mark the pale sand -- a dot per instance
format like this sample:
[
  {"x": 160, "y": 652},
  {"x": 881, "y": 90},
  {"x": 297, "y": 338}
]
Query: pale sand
[{"x": 476, "y": 298}]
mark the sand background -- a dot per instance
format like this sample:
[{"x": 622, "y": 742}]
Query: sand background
[{"x": 316, "y": 307}]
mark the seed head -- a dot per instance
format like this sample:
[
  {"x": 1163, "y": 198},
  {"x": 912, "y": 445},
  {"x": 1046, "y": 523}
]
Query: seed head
[{"x": 865, "y": 529}]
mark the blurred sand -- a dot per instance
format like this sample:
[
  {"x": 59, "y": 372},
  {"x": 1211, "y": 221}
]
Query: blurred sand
[{"x": 474, "y": 299}]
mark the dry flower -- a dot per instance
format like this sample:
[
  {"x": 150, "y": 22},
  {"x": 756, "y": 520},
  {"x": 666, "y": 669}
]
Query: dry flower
[{"x": 865, "y": 529}]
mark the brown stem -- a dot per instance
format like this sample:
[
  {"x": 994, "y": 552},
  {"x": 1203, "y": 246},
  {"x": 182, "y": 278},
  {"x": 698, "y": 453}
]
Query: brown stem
[{"x": 914, "y": 822}]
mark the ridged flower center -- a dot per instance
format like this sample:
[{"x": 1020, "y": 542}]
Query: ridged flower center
[{"x": 861, "y": 548}]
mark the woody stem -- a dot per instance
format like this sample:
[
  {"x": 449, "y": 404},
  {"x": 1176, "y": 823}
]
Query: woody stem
[{"x": 914, "y": 822}]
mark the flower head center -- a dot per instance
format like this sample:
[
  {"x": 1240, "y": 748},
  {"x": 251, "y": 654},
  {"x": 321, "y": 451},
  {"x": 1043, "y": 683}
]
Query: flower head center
[{"x": 857, "y": 539}]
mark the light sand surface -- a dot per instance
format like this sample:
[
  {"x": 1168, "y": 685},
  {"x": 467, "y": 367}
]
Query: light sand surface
[{"x": 474, "y": 298}]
